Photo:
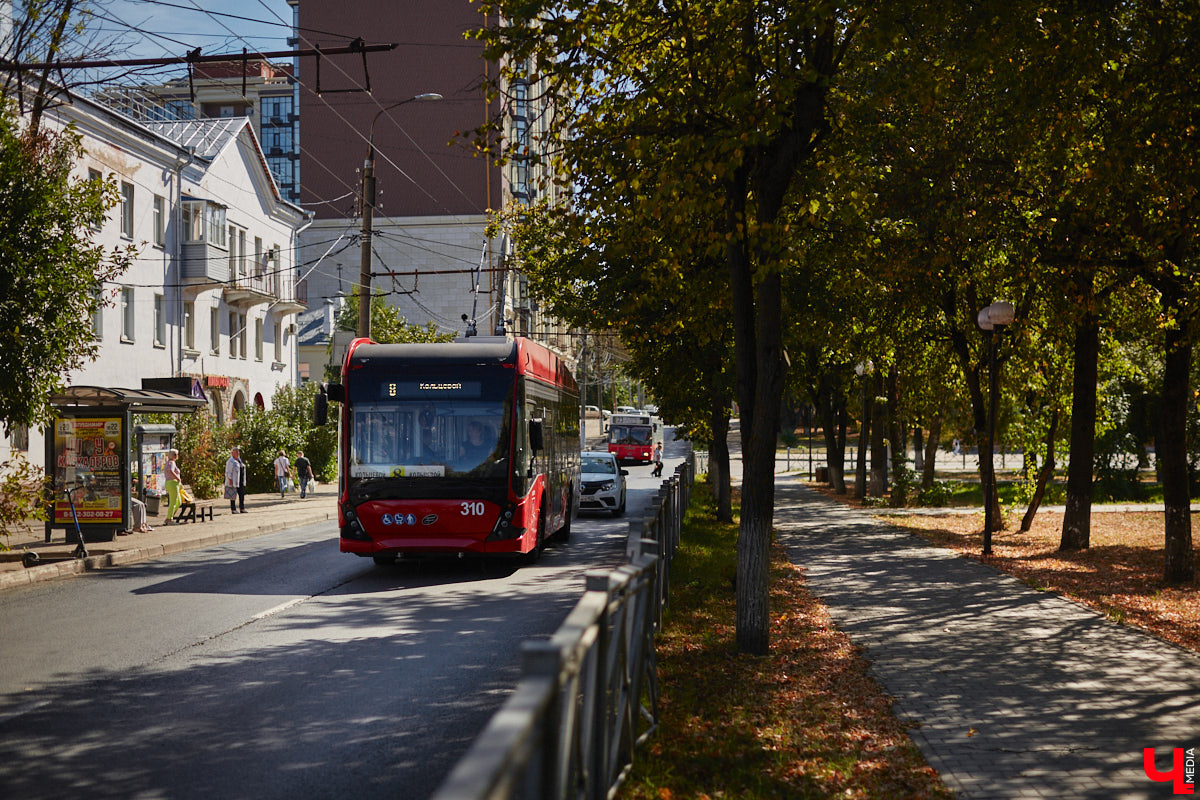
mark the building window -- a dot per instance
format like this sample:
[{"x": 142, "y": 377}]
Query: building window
[
  {"x": 127, "y": 315},
  {"x": 160, "y": 321},
  {"x": 242, "y": 336},
  {"x": 98, "y": 314},
  {"x": 18, "y": 437},
  {"x": 189, "y": 325},
  {"x": 95, "y": 176},
  {"x": 201, "y": 219},
  {"x": 279, "y": 341},
  {"x": 214, "y": 331},
  {"x": 233, "y": 334},
  {"x": 160, "y": 220},
  {"x": 241, "y": 255},
  {"x": 258, "y": 339},
  {"x": 216, "y": 225},
  {"x": 233, "y": 253},
  {"x": 277, "y": 109},
  {"x": 259, "y": 265},
  {"x": 180, "y": 109},
  {"x": 127, "y": 210}
]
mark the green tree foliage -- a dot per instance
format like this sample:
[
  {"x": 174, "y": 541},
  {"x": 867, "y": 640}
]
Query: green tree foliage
[
  {"x": 294, "y": 408},
  {"x": 388, "y": 326},
  {"x": 20, "y": 496},
  {"x": 694, "y": 129},
  {"x": 51, "y": 273}
]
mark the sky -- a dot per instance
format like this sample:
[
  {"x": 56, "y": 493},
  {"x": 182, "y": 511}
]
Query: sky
[{"x": 162, "y": 28}]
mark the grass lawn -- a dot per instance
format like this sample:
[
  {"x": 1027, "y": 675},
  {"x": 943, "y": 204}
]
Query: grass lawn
[{"x": 805, "y": 721}]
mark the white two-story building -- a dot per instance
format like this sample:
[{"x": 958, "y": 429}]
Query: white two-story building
[{"x": 211, "y": 294}]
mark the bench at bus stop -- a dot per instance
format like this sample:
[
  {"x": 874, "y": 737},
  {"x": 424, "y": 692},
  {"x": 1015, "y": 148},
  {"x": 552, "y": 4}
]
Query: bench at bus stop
[{"x": 194, "y": 510}]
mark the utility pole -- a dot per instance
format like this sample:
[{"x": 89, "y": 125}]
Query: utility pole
[
  {"x": 364, "y": 274},
  {"x": 368, "y": 216}
]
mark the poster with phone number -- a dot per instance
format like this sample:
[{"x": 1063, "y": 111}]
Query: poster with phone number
[{"x": 87, "y": 459}]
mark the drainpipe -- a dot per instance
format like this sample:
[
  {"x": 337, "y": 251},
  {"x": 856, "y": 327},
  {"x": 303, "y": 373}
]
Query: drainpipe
[
  {"x": 178, "y": 248},
  {"x": 296, "y": 336}
]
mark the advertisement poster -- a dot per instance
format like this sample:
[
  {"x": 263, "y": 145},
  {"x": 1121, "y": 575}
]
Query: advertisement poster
[
  {"x": 154, "y": 457},
  {"x": 87, "y": 461}
]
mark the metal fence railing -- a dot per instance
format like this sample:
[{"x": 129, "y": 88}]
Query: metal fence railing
[{"x": 587, "y": 696}]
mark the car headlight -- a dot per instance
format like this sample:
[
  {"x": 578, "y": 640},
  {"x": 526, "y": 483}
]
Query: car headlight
[{"x": 604, "y": 487}]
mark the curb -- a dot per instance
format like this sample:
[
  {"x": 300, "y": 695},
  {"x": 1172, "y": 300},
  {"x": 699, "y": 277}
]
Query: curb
[{"x": 119, "y": 558}]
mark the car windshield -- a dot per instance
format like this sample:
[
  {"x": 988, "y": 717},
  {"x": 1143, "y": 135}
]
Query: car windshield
[{"x": 593, "y": 464}]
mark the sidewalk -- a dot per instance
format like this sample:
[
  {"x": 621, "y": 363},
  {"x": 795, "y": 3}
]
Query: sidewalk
[
  {"x": 1010, "y": 692},
  {"x": 265, "y": 513}
]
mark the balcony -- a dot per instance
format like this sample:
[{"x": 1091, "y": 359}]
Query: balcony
[
  {"x": 251, "y": 290},
  {"x": 204, "y": 263}
]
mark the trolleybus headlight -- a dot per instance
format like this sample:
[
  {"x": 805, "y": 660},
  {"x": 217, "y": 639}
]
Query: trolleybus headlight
[{"x": 504, "y": 528}]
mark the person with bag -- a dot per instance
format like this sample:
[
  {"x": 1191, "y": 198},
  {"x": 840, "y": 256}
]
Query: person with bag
[
  {"x": 658, "y": 465},
  {"x": 303, "y": 472},
  {"x": 174, "y": 482},
  {"x": 235, "y": 481},
  {"x": 283, "y": 472}
]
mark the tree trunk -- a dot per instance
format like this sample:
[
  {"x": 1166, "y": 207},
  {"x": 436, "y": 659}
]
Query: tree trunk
[
  {"x": 1077, "y": 519},
  {"x": 918, "y": 438},
  {"x": 719, "y": 456},
  {"x": 758, "y": 483},
  {"x": 931, "y": 448},
  {"x": 864, "y": 438},
  {"x": 826, "y": 407},
  {"x": 1179, "y": 566},
  {"x": 1044, "y": 476},
  {"x": 879, "y": 456},
  {"x": 840, "y": 453},
  {"x": 898, "y": 436}
]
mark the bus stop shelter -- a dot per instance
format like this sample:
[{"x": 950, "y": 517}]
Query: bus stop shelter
[{"x": 87, "y": 457}]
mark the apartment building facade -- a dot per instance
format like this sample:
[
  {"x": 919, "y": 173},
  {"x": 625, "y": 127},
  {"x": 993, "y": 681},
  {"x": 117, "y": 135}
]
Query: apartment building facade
[{"x": 211, "y": 294}]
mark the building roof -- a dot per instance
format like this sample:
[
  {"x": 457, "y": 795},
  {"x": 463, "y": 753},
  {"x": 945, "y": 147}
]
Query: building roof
[{"x": 208, "y": 136}]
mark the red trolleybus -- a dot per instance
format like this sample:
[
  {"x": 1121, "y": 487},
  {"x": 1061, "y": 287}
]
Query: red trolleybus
[
  {"x": 468, "y": 447},
  {"x": 631, "y": 437}
]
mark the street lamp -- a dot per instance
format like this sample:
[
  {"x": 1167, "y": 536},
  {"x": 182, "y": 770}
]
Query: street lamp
[
  {"x": 863, "y": 371},
  {"x": 992, "y": 321},
  {"x": 368, "y": 215}
]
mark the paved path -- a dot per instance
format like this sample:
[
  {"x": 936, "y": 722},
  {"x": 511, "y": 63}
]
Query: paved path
[{"x": 1014, "y": 693}]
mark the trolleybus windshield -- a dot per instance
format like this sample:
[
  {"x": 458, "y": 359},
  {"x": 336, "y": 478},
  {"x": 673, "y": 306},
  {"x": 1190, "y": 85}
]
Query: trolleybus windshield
[{"x": 450, "y": 421}]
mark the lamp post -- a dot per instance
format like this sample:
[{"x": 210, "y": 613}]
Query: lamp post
[
  {"x": 992, "y": 321},
  {"x": 368, "y": 216},
  {"x": 863, "y": 371}
]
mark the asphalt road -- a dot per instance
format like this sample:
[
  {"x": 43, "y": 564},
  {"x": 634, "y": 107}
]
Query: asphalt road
[{"x": 274, "y": 667}]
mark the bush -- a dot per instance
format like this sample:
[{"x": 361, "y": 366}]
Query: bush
[
  {"x": 20, "y": 496},
  {"x": 937, "y": 495}
]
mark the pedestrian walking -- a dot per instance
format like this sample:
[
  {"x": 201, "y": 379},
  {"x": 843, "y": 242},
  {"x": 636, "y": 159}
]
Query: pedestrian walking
[
  {"x": 235, "y": 481},
  {"x": 174, "y": 482},
  {"x": 657, "y": 461},
  {"x": 283, "y": 471},
  {"x": 304, "y": 473}
]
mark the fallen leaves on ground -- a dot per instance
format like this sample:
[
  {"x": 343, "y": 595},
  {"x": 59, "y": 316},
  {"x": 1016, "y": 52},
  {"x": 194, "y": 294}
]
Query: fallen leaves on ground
[{"x": 805, "y": 721}]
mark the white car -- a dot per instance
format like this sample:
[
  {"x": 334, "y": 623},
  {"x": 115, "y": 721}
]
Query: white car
[{"x": 603, "y": 483}]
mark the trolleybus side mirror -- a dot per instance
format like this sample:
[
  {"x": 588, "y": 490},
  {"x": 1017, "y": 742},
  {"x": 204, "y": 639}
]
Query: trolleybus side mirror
[
  {"x": 320, "y": 409},
  {"x": 537, "y": 442},
  {"x": 335, "y": 392}
]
